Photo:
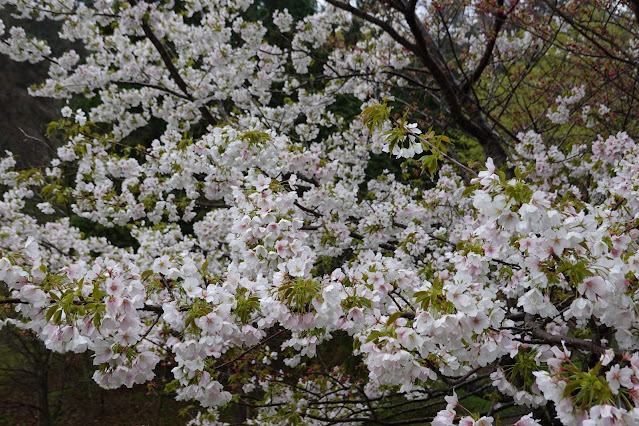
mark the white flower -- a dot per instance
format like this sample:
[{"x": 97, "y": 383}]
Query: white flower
[
  {"x": 296, "y": 267},
  {"x": 527, "y": 420},
  {"x": 618, "y": 377},
  {"x": 31, "y": 248},
  {"x": 487, "y": 176},
  {"x": 607, "y": 357},
  {"x": 45, "y": 208},
  {"x": 262, "y": 182},
  {"x": 80, "y": 117},
  {"x": 533, "y": 302},
  {"x": 283, "y": 20}
]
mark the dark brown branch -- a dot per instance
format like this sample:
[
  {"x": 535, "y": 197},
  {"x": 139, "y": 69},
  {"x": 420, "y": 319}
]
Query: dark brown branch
[
  {"x": 263, "y": 342},
  {"x": 212, "y": 204},
  {"x": 463, "y": 108},
  {"x": 173, "y": 71},
  {"x": 385, "y": 246},
  {"x": 573, "y": 342},
  {"x": 12, "y": 300},
  {"x": 307, "y": 210},
  {"x": 15, "y": 301},
  {"x": 376, "y": 21},
  {"x": 588, "y": 34},
  {"x": 153, "y": 86},
  {"x": 42, "y": 141},
  {"x": 500, "y": 20},
  {"x": 146, "y": 308},
  {"x": 146, "y": 334}
]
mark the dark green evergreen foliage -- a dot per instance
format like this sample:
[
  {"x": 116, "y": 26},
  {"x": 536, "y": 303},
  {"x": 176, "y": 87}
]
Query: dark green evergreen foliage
[
  {"x": 468, "y": 149},
  {"x": 346, "y": 106},
  {"x": 143, "y": 137},
  {"x": 119, "y": 236},
  {"x": 379, "y": 164},
  {"x": 263, "y": 10}
]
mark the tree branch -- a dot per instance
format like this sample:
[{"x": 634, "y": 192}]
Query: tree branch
[
  {"x": 500, "y": 20},
  {"x": 376, "y": 21},
  {"x": 263, "y": 342},
  {"x": 173, "y": 71},
  {"x": 572, "y": 342},
  {"x": 11, "y": 301},
  {"x": 153, "y": 86}
]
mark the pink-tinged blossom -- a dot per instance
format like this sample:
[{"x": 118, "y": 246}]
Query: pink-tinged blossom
[
  {"x": 485, "y": 177},
  {"x": 618, "y": 377},
  {"x": 225, "y": 216},
  {"x": 593, "y": 287},
  {"x": 527, "y": 420},
  {"x": 296, "y": 267}
]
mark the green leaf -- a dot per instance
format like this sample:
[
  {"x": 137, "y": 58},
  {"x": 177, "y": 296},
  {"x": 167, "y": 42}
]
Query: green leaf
[
  {"x": 430, "y": 162},
  {"x": 468, "y": 190},
  {"x": 255, "y": 138},
  {"x": 365, "y": 302},
  {"x": 49, "y": 314},
  {"x": 146, "y": 274},
  {"x": 373, "y": 336},
  {"x": 356, "y": 344},
  {"x": 394, "y": 317},
  {"x": 96, "y": 292},
  {"x": 97, "y": 320},
  {"x": 375, "y": 116},
  {"x": 57, "y": 317}
]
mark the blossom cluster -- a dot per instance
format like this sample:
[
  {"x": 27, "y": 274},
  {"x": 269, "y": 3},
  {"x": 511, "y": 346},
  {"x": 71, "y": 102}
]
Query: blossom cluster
[{"x": 257, "y": 225}]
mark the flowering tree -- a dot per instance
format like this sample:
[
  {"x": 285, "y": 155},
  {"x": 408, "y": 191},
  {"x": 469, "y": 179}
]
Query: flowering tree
[{"x": 271, "y": 270}]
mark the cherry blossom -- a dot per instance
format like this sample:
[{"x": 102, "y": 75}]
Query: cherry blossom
[{"x": 264, "y": 246}]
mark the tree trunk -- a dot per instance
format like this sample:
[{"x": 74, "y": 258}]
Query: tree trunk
[{"x": 44, "y": 418}]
